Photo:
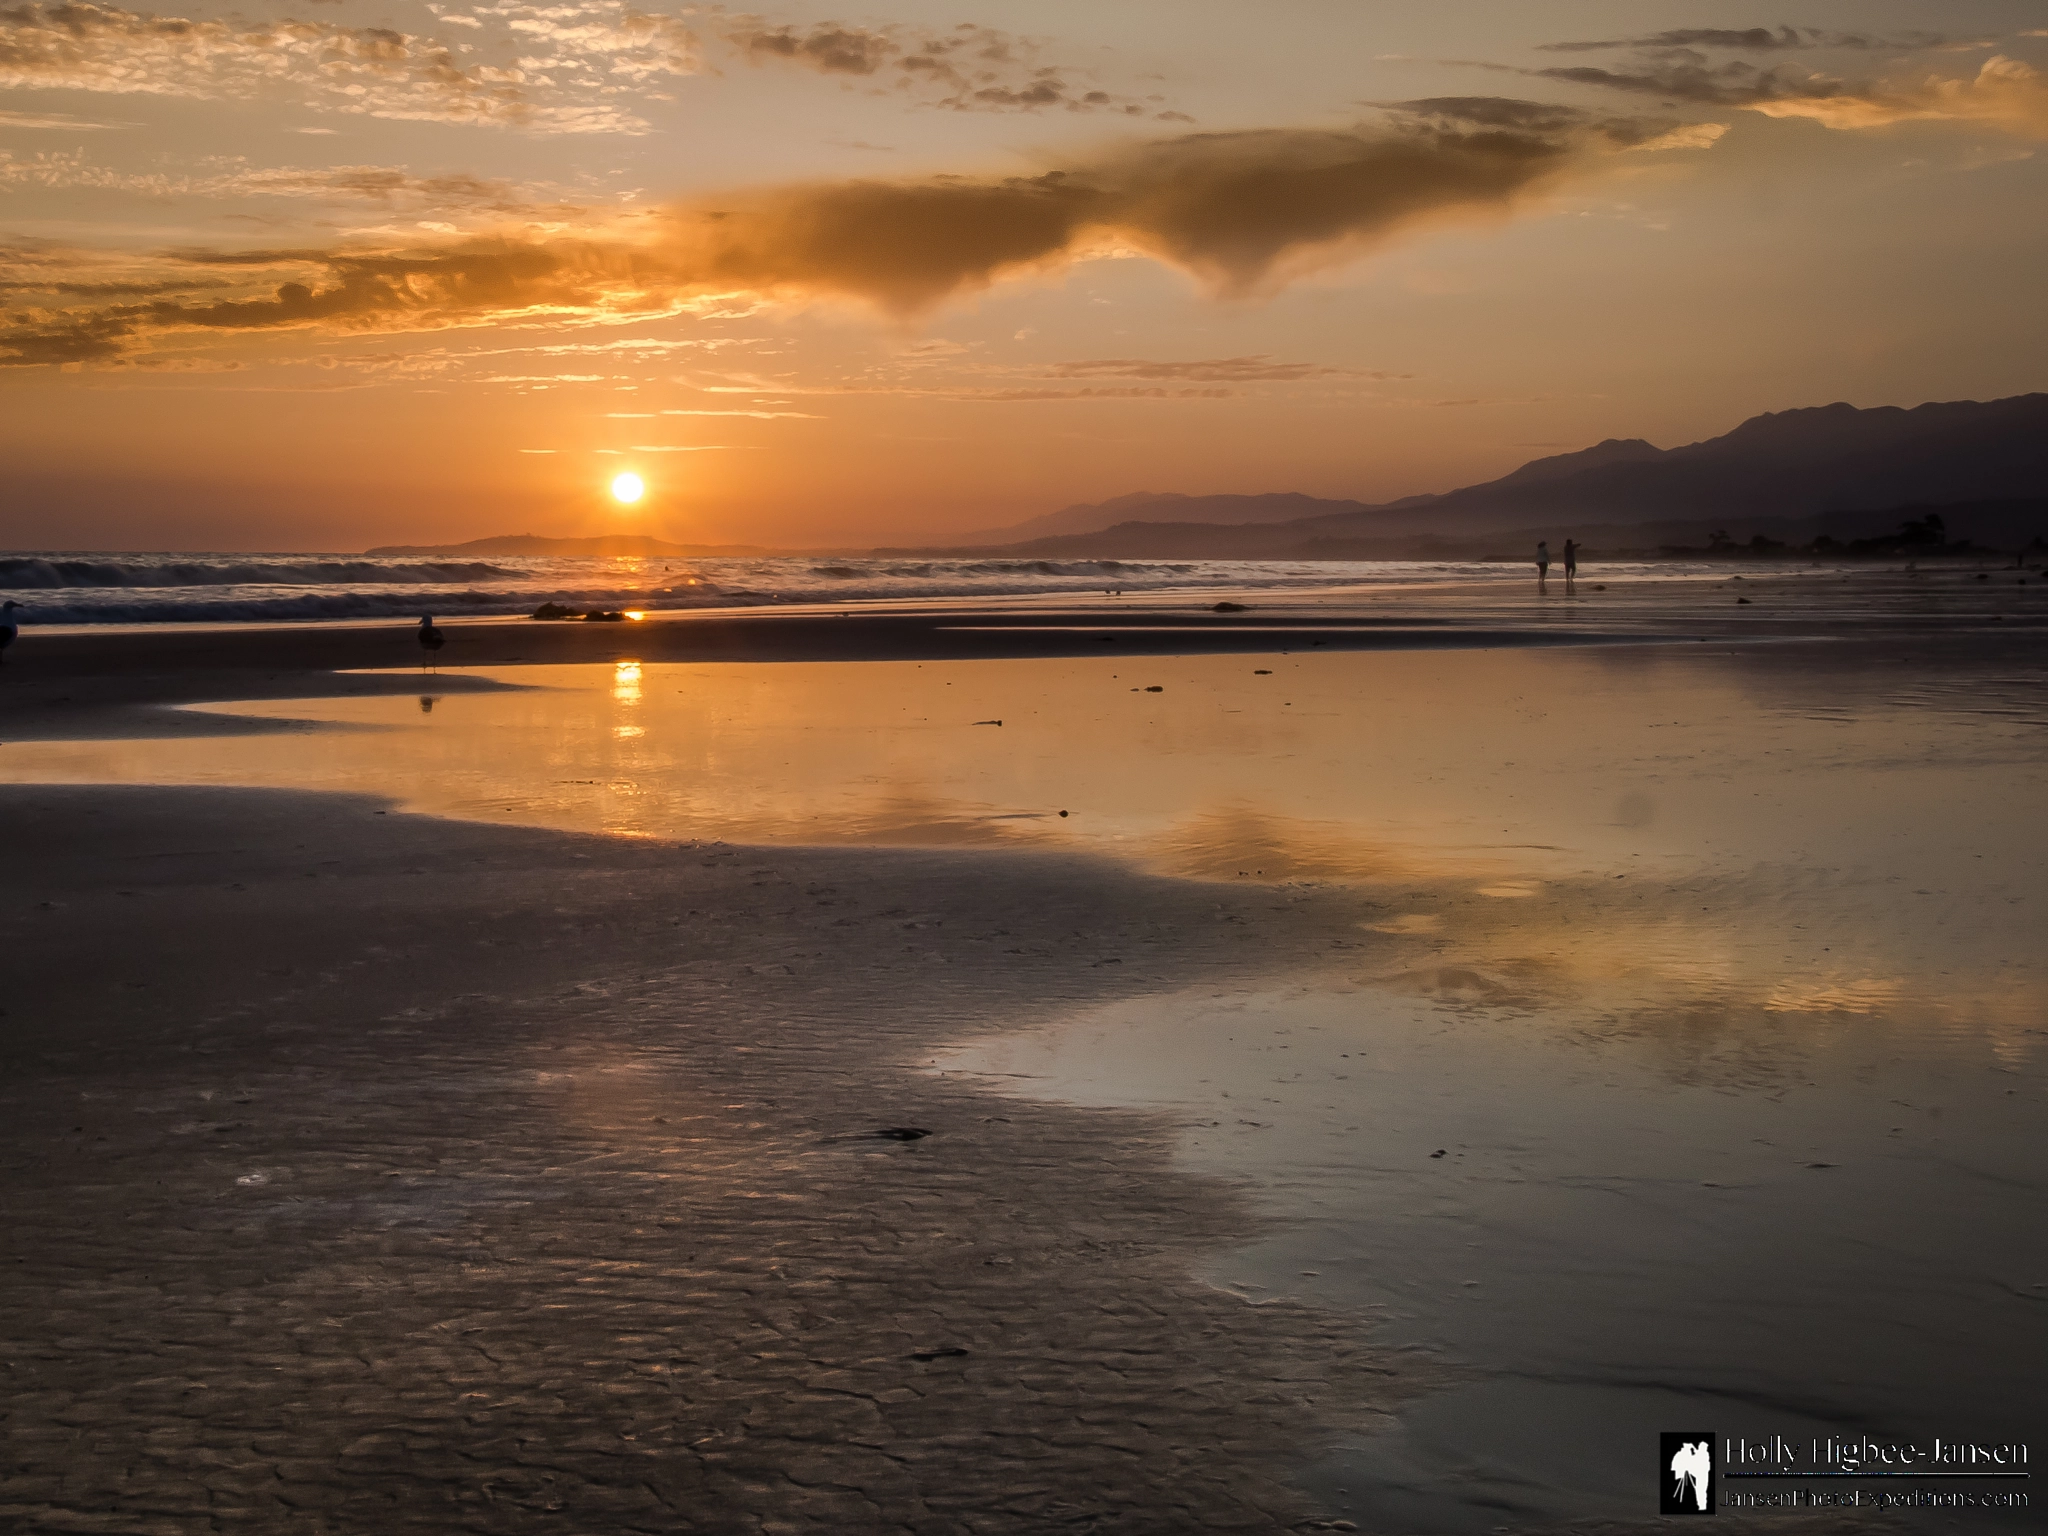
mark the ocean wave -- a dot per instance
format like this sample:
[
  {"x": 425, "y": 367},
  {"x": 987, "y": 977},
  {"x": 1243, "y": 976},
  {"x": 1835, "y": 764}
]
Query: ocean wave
[
  {"x": 148, "y": 588},
  {"x": 315, "y": 607},
  {"x": 37, "y": 574}
]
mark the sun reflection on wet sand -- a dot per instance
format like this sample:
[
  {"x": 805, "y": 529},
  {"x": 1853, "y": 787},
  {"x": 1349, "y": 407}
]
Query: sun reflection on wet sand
[{"x": 1748, "y": 844}]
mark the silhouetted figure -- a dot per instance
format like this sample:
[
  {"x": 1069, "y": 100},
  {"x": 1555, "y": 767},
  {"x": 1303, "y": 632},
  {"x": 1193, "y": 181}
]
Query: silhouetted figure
[
  {"x": 1571, "y": 563},
  {"x": 8, "y": 628},
  {"x": 431, "y": 639},
  {"x": 1542, "y": 563}
]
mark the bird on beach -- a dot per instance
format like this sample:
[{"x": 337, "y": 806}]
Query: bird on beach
[
  {"x": 431, "y": 639},
  {"x": 8, "y": 628}
]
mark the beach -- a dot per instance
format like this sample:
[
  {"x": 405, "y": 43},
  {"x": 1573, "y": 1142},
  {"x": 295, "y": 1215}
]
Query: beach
[{"x": 822, "y": 1069}]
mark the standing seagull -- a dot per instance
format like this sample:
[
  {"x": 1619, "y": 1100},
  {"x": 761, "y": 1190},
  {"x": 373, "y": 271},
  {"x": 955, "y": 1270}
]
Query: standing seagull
[
  {"x": 8, "y": 628},
  {"x": 431, "y": 639}
]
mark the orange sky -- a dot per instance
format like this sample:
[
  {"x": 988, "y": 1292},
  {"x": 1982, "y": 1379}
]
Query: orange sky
[{"x": 322, "y": 276}]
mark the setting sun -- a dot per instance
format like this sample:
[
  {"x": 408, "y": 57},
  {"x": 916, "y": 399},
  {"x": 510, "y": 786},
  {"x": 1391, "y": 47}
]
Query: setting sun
[{"x": 628, "y": 489}]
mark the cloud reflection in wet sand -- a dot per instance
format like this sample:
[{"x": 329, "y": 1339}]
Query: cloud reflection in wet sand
[{"x": 1660, "y": 820}]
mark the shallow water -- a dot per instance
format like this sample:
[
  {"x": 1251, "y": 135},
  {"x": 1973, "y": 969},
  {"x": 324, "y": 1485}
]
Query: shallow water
[{"x": 1710, "y": 971}]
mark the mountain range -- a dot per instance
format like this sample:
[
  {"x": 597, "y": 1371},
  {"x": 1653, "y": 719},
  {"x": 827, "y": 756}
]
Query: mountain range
[{"x": 1786, "y": 474}]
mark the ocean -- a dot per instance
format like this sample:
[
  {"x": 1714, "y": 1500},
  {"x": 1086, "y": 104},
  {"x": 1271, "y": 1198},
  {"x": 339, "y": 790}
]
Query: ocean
[{"x": 159, "y": 588}]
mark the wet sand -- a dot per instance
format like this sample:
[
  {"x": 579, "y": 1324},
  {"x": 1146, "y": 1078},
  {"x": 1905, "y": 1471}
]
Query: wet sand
[
  {"x": 376, "y": 1171},
  {"x": 379, "y": 1173}
]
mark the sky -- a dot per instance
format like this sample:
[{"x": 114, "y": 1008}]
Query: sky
[{"x": 321, "y": 274}]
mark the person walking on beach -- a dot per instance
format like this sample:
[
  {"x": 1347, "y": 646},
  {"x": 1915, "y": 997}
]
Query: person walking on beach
[
  {"x": 1571, "y": 563},
  {"x": 1542, "y": 562}
]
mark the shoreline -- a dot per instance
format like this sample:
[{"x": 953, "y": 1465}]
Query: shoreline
[
  {"x": 50, "y": 672},
  {"x": 50, "y": 668}
]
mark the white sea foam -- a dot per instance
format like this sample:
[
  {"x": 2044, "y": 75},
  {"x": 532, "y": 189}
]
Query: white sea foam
[{"x": 143, "y": 588}]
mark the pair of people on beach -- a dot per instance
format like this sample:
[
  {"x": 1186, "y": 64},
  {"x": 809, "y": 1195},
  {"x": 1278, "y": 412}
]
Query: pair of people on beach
[{"x": 1571, "y": 561}]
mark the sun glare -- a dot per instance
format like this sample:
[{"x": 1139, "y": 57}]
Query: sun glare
[{"x": 628, "y": 489}]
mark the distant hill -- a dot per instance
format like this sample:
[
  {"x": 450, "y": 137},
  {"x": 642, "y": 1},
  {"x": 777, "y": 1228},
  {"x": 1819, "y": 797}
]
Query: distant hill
[
  {"x": 1988, "y": 525},
  {"x": 1776, "y": 474},
  {"x": 629, "y": 544},
  {"x": 1165, "y": 507},
  {"x": 1781, "y": 464}
]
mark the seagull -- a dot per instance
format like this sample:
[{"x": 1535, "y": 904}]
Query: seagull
[
  {"x": 8, "y": 628},
  {"x": 431, "y": 639}
]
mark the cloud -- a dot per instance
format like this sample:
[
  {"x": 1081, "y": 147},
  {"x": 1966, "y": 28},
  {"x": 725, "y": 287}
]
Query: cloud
[
  {"x": 2005, "y": 93},
  {"x": 967, "y": 68},
  {"x": 828, "y": 47},
  {"x": 375, "y": 71},
  {"x": 1752, "y": 40},
  {"x": 1242, "y": 212},
  {"x": 1260, "y": 369},
  {"x": 56, "y": 121},
  {"x": 758, "y": 415},
  {"x": 223, "y": 178},
  {"x": 1017, "y": 396}
]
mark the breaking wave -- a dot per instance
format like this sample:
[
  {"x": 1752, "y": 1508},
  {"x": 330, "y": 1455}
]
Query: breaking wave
[
  {"x": 79, "y": 588},
  {"x": 33, "y": 573}
]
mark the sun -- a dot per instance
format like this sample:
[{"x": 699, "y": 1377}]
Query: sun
[{"x": 628, "y": 489}]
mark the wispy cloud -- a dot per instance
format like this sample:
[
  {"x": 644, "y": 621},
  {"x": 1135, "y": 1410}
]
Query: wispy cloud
[
  {"x": 375, "y": 71},
  {"x": 1755, "y": 40},
  {"x": 62, "y": 122},
  {"x": 1022, "y": 396},
  {"x": 2005, "y": 93},
  {"x": 758, "y": 415},
  {"x": 1691, "y": 65},
  {"x": 966, "y": 68},
  {"x": 386, "y": 186},
  {"x": 1259, "y": 369},
  {"x": 1242, "y": 212}
]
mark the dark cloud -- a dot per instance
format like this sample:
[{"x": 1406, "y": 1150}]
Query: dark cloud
[
  {"x": 828, "y": 48},
  {"x": 1751, "y": 40},
  {"x": 2005, "y": 94},
  {"x": 967, "y": 68},
  {"x": 1689, "y": 37},
  {"x": 1243, "y": 212},
  {"x": 1727, "y": 85}
]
